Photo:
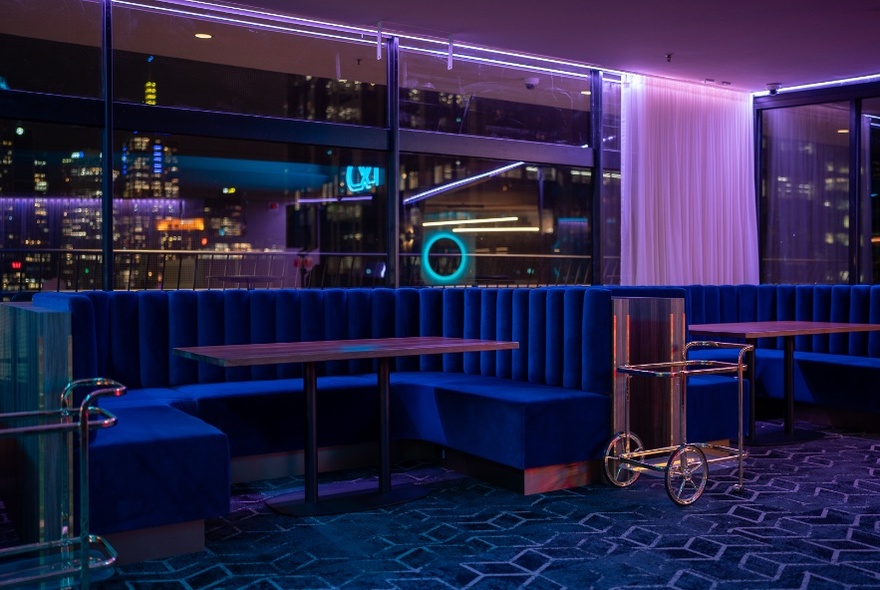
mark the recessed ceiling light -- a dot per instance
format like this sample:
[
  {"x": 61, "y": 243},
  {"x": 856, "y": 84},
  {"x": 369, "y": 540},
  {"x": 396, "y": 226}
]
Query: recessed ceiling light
[{"x": 203, "y": 36}]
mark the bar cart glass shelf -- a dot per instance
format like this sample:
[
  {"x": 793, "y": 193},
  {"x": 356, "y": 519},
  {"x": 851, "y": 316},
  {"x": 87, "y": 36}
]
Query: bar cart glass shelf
[{"x": 71, "y": 560}]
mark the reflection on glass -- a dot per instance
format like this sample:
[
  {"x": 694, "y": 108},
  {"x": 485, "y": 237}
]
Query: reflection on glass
[
  {"x": 805, "y": 202},
  {"x": 230, "y": 67},
  {"x": 51, "y": 47},
  {"x": 611, "y": 113},
  {"x": 178, "y": 193},
  {"x": 492, "y": 101},
  {"x": 474, "y": 221},
  {"x": 870, "y": 188}
]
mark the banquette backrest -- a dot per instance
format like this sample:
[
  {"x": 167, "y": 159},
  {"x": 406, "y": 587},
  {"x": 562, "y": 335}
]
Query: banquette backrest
[
  {"x": 564, "y": 333},
  {"x": 829, "y": 303}
]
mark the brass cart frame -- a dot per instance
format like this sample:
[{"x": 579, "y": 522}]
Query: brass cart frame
[
  {"x": 685, "y": 466},
  {"x": 69, "y": 560}
]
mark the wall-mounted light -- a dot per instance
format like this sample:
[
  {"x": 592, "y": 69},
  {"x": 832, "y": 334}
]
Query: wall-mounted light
[{"x": 204, "y": 36}]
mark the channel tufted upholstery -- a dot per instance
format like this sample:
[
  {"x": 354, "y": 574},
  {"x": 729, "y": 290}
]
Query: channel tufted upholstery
[
  {"x": 835, "y": 370},
  {"x": 546, "y": 404}
]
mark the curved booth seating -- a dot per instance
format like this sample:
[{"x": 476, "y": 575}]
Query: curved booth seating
[
  {"x": 832, "y": 372},
  {"x": 536, "y": 418}
]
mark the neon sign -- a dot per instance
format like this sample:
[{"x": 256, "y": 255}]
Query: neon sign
[
  {"x": 359, "y": 179},
  {"x": 429, "y": 271}
]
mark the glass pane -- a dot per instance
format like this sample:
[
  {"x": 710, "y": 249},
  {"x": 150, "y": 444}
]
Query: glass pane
[
  {"x": 245, "y": 65},
  {"x": 184, "y": 192},
  {"x": 50, "y": 196},
  {"x": 610, "y": 232},
  {"x": 185, "y": 209},
  {"x": 248, "y": 208},
  {"x": 611, "y": 113},
  {"x": 51, "y": 46},
  {"x": 493, "y": 101},
  {"x": 805, "y": 197},
  {"x": 870, "y": 200},
  {"x": 472, "y": 221}
]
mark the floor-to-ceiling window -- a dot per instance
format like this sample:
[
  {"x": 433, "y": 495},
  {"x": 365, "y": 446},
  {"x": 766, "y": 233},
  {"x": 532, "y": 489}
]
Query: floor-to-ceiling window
[
  {"x": 819, "y": 153},
  {"x": 870, "y": 189},
  {"x": 805, "y": 202},
  {"x": 237, "y": 132},
  {"x": 478, "y": 210}
]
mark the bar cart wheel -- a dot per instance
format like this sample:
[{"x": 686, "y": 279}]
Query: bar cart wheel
[
  {"x": 616, "y": 472},
  {"x": 686, "y": 474}
]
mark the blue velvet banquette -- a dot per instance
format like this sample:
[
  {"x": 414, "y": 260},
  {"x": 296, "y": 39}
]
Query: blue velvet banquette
[
  {"x": 831, "y": 371},
  {"x": 539, "y": 415}
]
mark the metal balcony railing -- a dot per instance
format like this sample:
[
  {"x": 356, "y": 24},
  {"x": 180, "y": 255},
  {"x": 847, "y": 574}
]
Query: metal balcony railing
[{"x": 23, "y": 272}]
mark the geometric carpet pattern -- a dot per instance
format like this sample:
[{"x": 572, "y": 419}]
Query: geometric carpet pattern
[{"x": 808, "y": 518}]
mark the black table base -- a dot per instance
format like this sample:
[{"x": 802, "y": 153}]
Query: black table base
[
  {"x": 346, "y": 497},
  {"x": 767, "y": 434}
]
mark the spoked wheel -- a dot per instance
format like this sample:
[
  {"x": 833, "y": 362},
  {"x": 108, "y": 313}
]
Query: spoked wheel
[
  {"x": 617, "y": 472},
  {"x": 686, "y": 474}
]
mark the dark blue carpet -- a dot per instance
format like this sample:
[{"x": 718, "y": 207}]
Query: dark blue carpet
[{"x": 809, "y": 519}]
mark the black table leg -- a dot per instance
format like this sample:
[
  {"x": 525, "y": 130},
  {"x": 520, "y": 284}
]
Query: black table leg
[
  {"x": 789, "y": 385},
  {"x": 348, "y": 496},
  {"x": 771, "y": 434},
  {"x": 310, "y": 385},
  {"x": 384, "y": 427}
]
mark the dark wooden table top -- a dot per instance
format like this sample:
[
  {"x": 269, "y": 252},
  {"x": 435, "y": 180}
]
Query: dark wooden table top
[
  {"x": 770, "y": 329},
  {"x": 239, "y": 355}
]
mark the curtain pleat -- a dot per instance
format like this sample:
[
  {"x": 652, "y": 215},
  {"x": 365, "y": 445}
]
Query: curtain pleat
[{"x": 688, "y": 211}]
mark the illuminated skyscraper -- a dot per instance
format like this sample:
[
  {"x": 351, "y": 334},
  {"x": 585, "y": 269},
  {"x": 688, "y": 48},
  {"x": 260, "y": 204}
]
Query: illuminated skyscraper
[
  {"x": 5, "y": 163},
  {"x": 149, "y": 169}
]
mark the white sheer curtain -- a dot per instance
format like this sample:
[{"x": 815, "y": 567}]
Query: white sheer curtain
[{"x": 687, "y": 185}]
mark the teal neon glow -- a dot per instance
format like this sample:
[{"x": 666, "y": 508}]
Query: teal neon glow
[
  {"x": 361, "y": 178},
  {"x": 429, "y": 271}
]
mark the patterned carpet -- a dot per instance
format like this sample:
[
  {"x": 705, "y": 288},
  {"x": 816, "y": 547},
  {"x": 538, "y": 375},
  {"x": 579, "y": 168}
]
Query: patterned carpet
[{"x": 809, "y": 519}]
